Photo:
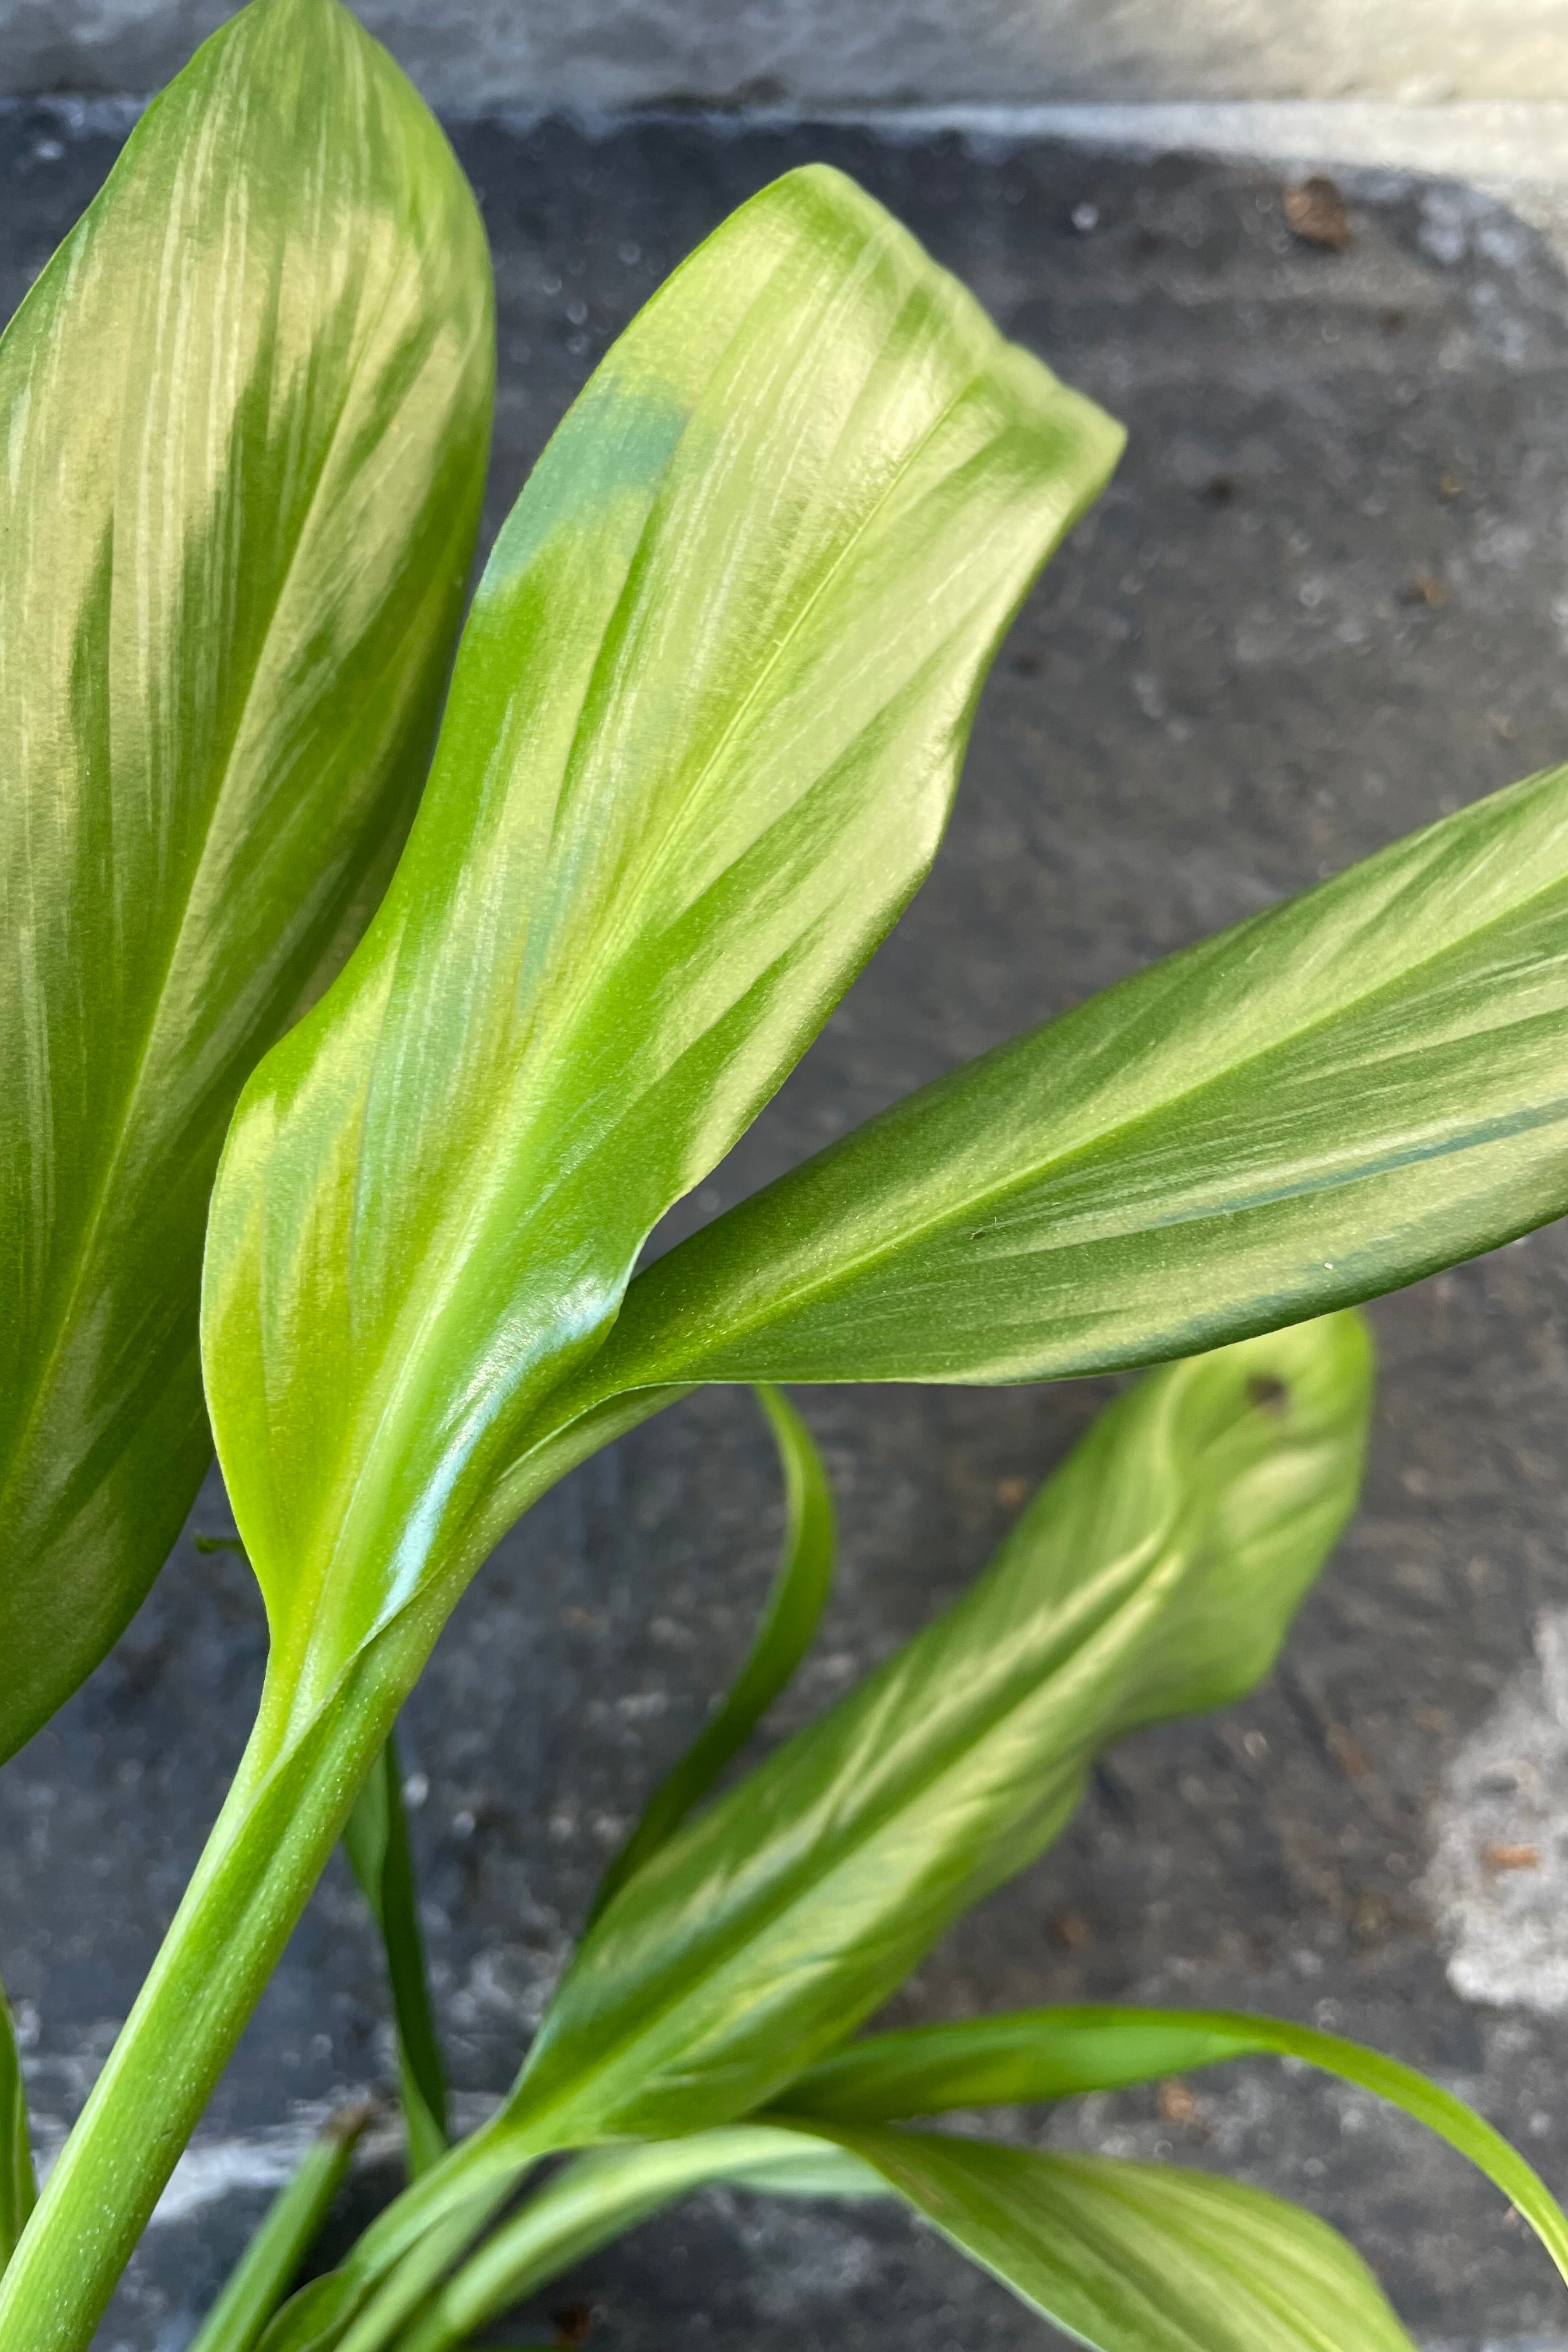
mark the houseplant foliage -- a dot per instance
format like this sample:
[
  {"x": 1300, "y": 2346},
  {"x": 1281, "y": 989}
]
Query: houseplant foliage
[
  {"x": 702, "y": 738},
  {"x": 247, "y": 412}
]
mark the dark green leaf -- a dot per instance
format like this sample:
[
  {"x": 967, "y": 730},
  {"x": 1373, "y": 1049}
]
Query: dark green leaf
[
  {"x": 1363, "y": 1084},
  {"x": 795, "y": 1607},
  {"x": 376, "y": 1838},
  {"x": 271, "y": 2261},
  {"x": 1054, "y": 2054},
  {"x": 246, "y": 408},
  {"x": 1140, "y": 2257},
  {"x": 16, "y": 2188}
]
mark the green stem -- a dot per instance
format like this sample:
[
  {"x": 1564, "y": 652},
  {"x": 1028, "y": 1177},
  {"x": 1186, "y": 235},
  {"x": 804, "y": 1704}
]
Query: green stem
[
  {"x": 292, "y": 1796},
  {"x": 277, "y": 1828},
  {"x": 270, "y": 2264},
  {"x": 18, "y": 2192},
  {"x": 376, "y": 1842}
]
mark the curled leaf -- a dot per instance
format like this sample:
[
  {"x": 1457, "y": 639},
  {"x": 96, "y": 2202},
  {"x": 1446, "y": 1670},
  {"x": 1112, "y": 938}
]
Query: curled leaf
[{"x": 795, "y": 1607}]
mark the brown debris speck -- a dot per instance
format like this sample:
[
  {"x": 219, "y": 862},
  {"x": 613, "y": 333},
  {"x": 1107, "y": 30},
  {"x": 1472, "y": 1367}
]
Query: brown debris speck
[
  {"x": 1315, "y": 212},
  {"x": 1012, "y": 1492},
  {"x": 1176, "y": 2103},
  {"x": 1072, "y": 1928},
  {"x": 1348, "y": 1753},
  {"x": 1499, "y": 1856}
]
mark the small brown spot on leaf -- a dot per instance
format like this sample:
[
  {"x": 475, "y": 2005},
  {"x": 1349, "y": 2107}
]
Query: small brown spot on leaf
[
  {"x": 1269, "y": 1394},
  {"x": 1315, "y": 212}
]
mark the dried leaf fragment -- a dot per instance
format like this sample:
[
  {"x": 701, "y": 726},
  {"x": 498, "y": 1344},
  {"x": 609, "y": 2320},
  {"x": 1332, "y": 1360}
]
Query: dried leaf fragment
[{"x": 1315, "y": 212}]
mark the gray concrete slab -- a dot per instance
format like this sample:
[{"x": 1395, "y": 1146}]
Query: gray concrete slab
[
  {"x": 486, "y": 53},
  {"x": 1326, "y": 599}
]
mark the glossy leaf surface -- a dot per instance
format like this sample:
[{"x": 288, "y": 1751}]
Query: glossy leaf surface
[
  {"x": 276, "y": 2253},
  {"x": 247, "y": 411},
  {"x": 703, "y": 732},
  {"x": 795, "y": 1608},
  {"x": 375, "y": 1839},
  {"x": 17, "y": 2192},
  {"x": 1140, "y": 2257},
  {"x": 1057, "y": 2053},
  {"x": 1362, "y": 1085},
  {"x": 1154, "y": 1574}
]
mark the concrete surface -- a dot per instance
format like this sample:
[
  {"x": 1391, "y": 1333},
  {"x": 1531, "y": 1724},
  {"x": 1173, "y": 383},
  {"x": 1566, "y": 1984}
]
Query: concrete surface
[
  {"x": 1326, "y": 599},
  {"x": 483, "y": 55}
]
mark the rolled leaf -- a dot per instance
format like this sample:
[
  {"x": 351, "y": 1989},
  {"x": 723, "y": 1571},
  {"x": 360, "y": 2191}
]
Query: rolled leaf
[
  {"x": 1140, "y": 2257},
  {"x": 247, "y": 410},
  {"x": 17, "y": 2191},
  {"x": 1334, "y": 1097},
  {"x": 702, "y": 736},
  {"x": 276, "y": 2252},
  {"x": 375, "y": 1839},
  {"x": 795, "y": 1608},
  {"x": 1057, "y": 2053}
]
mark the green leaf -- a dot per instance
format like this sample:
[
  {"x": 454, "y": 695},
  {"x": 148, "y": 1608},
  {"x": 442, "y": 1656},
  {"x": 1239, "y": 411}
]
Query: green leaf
[
  {"x": 1155, "y": 1574},
  {"x": 247, "y": 412},
  {"x": 599, "y": 2197},
  {"x": 795, "y": 1608},
  {"x": 703, "y": 730},
  {"x": 376, "y": 1838},
  {"x": 17, "y": 2191},
  {"x": 1140, "y": 2257},
  {"x": 270, "y": 2264},
  {"x": 1055, "y": 2054},
  {"x": 702, "y": 736},
  {"x": 1362, "y": 1085}
]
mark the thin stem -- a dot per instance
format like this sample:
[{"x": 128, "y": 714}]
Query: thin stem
[
  {"x": 270, "y": 2263},
  {"x": 18, "y": 2193}
]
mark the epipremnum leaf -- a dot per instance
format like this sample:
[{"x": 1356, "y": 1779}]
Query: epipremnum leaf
[
  {"x": 702, "y": 736},
  {"x": 246, "y": 410},
  {"x": 1362, "y": 1085}
]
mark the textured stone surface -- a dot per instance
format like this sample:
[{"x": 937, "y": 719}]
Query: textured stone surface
[
  {"x": 1325, "y": 600},
  {"x": 487, "y": 54}
]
